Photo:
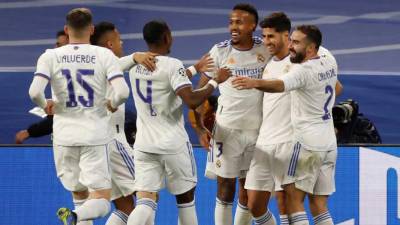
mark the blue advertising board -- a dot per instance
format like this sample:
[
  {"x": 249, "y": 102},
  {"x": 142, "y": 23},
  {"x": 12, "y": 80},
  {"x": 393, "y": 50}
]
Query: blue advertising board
[{"x": 366, "y": 188}]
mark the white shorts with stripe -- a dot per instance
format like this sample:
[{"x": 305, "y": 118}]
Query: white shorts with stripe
[
  {"x": 231, "y": 152},
  {"x": 268, "y": 167},
  {"x": 175, "y": 171},
  {"x": 311, "y": 171},
  {"x": 122, "y": 168},
  {"x": 81, "y": 168}
]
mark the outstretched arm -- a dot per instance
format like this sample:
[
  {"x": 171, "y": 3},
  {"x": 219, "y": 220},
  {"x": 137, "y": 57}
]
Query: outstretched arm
[{"x": 273, "y": 85}]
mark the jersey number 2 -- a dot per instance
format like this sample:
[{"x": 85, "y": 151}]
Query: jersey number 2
[
  {"x": 328, "y": 90},
  {"x": 72, "y": 102}
]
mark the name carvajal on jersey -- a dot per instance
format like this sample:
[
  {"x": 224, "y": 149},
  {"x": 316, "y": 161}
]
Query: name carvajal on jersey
[{"x": 327, "y": 75}]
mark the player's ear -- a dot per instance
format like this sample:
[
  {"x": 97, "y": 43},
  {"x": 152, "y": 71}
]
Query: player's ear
[
  {"x": 66, "y": 30},
  {"x": 91, "y": 30},
  {"x": 109, "y": 44}
]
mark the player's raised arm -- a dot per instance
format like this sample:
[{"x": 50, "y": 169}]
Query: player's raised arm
[
  {"x": 205, "y": 64},
  {"x": 194, "y": 98}
]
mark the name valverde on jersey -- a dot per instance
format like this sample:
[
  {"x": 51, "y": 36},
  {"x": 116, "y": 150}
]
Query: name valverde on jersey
[
  {"x": 240, "y": 109},
  {"x": 160, "y": 123},
  {"x": 79, "y": 74},
  {"x": 313, "y": 95}
]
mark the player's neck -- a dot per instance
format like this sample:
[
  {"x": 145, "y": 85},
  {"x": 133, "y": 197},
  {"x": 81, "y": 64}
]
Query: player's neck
[
  {"x": 282, "y": 54},
  {"x": 312, "y": 55},
  {"x": 160, "y": 50},
  {"x": 81, "y": 40},
  {"x": 244, "y": 45}
]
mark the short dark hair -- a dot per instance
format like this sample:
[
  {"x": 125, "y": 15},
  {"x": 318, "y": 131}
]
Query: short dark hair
[
  {"x": 277, "y": 20},
  {"x": 247, "y": 8},
  {"x": 60, "y": 33},
  {"x": 79, "y": 18},
  {"x": 99, "y": 30},
  {"x": 312, "y": 33},
  {"x": 154, "y": 31}
]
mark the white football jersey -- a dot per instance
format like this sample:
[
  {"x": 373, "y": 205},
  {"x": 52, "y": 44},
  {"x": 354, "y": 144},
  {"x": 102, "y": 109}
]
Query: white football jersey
[
  {"x": 276, "y": 126},
  {"x": 313, "y": 83},
  {"x": 240, "y": 109},
  {"x": 117, "y": 120},
  {"x": 160, "y": 123},
  {"x": 78, "y": 75}
]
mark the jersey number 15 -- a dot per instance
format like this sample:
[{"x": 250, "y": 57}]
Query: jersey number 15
[{"x": 72, "y": 101}]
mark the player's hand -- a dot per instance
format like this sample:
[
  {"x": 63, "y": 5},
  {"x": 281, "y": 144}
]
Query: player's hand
[
  {"x": 147, "y": 59},
  {"x": 205, "y": 64},
  {"x": 241, "y": 83},
  {"x": 204, "y": 137},
  {"x": 109, "y": 107},
  {"x": 222, "y": 75},
  {"x": 49, "y": 109},
  {"x": 21, "y": 136}
]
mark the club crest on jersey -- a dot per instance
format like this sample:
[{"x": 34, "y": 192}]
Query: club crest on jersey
[
  {"x": 287, "y": 68},
  {"x": 218, "y": 163},
  {"x": 231, "y": 61},
  {"x": 260, "y": 58}
]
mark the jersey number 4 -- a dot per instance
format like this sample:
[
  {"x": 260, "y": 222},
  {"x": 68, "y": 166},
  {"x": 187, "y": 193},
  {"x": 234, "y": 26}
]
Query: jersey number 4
[
  {"x": 72, "y": 101},
  {"x": 149, "y": 98}
]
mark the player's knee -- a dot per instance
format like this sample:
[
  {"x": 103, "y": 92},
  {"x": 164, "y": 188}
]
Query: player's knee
[
  {"x": 226, "y": 189},
  {"x": 185, "y": 197},
  {"x": 318, "y": 204},
  {"x": 243, "y": 197},
  {"x": 125, "y": 204},
  {"x": 281, "y": 200}
]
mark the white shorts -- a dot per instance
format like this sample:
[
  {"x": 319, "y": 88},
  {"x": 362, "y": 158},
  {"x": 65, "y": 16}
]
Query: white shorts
[
  {"x": 311, "y": 171},
  {"x": 122, "y": 169},
  {"x": 268, "y": 167},
  {"x": 178, "y": 171},
  {"x": 231, "y": 152},
  {"x": 83, "y": 167}
]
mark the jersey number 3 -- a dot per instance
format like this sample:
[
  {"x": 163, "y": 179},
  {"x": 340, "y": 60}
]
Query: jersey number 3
[{"x": 72, "y": 102}]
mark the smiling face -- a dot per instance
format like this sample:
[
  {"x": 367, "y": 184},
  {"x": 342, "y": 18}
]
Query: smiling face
[
  {"x": 275, "y": 41},
  {"x": 298, "y": 46},
  {"x": 241, "y": 26}
]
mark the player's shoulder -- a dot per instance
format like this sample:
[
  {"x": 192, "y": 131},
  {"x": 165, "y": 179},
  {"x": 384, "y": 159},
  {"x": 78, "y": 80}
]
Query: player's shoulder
[
  {"x": 257, "y": 41},
  {"x": 170, "y": 61},
  {"x": 223, "y": 44}
]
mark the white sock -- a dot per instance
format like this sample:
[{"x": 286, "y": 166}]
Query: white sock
[
  {"x": 187, "y": 214},
  {"x": 266, "y": 219},
  {"x": 77, "y": 204},
  {"x": 117, "y": 218},
  {"x": 93, "y": 209},
  {"x": 223, "y": 213},
  {"x": 284, "y": 219},
  {"x": 142, "y": 212},
  {"x": 299, "y": 218},
  {"x": 242, "y": 215},
  {"x": 151, "y": 219},
  {"x": 323, "y": 219}
]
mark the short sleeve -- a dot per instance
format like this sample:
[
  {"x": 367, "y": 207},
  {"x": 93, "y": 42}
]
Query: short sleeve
[
  {"x": 44, "y": 64},
  {"x": 214, "y": 55},
  {"x": 295, "y": 78},
  {"x": 112, "y": 66},
  {"x": 178, "y": 77}
]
